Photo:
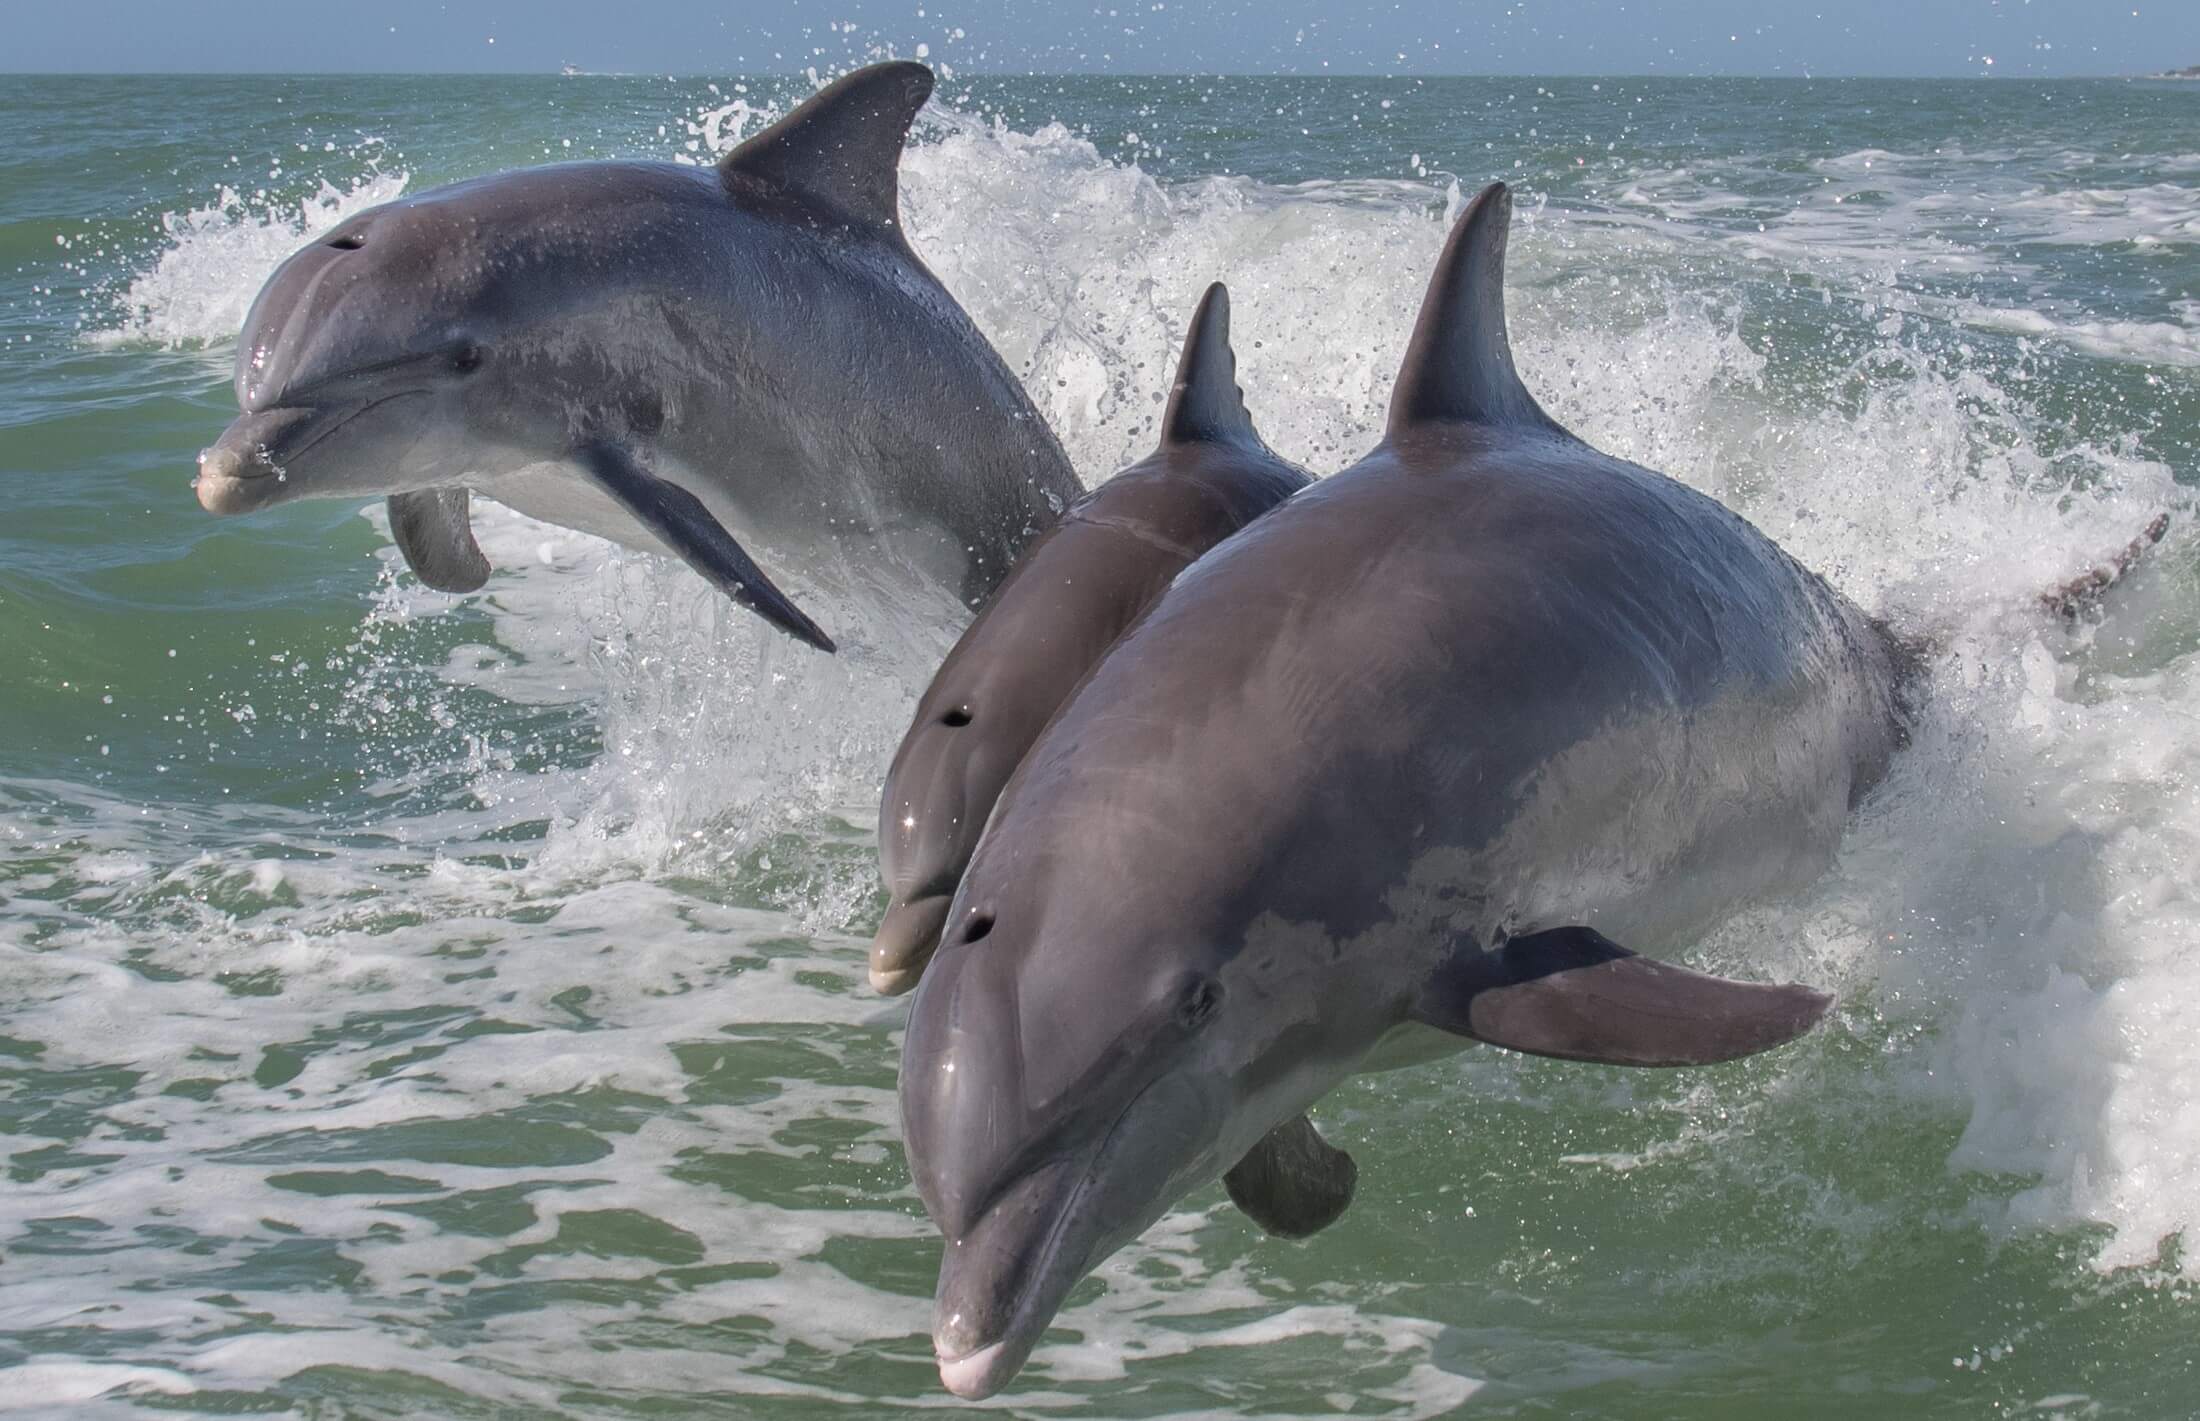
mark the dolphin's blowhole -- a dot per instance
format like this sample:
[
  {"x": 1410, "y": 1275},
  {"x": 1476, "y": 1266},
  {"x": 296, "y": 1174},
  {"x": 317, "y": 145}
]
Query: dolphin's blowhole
[{"x": 1198, "y": 1002}]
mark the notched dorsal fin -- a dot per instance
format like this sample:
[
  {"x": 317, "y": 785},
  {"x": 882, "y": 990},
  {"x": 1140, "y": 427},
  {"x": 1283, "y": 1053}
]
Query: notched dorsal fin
[
  {"x": 1205, "y": 403},
  {"x": 1575, "y": 994},
  {"x": 1459, "y": 366},
  {"x": 842, "y": 146}
]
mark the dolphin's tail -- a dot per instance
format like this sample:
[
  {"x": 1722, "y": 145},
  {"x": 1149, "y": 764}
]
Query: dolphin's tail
[
  {"x": 2079, "y": 599},
  {"x": 2074, "y": 602}
]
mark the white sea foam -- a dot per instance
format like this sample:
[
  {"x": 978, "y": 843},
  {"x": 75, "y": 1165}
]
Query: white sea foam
[
  {"x": 1917, "y": 224},
  {"x": 2156, "y": 214},
  {"x": 2012, "y": 923},
  {"x": 2151, "y": 342}
]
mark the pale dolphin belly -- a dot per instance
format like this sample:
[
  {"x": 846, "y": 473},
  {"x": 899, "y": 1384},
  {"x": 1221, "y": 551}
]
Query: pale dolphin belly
[
  {"x": 559, "y": 491},
  {"x": 891, "y": 582}
]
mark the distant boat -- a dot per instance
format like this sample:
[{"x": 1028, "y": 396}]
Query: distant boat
[
  {"x": 571, "y": 71},
  {"x": 2190, "y": 71}
]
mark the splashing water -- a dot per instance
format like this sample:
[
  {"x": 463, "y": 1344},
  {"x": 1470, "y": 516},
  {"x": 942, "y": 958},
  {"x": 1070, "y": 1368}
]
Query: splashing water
[{"x": 201, "y": 287}]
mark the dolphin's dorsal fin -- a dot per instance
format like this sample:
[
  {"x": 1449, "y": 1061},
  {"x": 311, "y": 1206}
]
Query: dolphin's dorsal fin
[
  {"x": 1205, "y": 404},
  {"x": 842, "y": 146},
  {"x": 1459, "y": 365}
]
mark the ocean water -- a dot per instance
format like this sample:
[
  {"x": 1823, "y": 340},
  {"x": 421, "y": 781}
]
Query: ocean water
[{"x": 416, "y": 1005}]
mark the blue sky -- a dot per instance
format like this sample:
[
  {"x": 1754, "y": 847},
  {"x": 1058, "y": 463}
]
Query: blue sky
[{"x": 1895, "y": 37}]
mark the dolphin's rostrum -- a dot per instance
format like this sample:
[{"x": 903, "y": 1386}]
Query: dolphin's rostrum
[
  {"x": 745, "y": 366},
  {"x": 1395, "y": 769},
  {"x": 1074, "y": 591}
]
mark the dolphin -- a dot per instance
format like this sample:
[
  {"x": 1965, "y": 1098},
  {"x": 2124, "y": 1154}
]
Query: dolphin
[
  {"x": 1070, "y": 596},
  {"x": 1397, "y": 769},
  {"x": 739, "y": 366}
]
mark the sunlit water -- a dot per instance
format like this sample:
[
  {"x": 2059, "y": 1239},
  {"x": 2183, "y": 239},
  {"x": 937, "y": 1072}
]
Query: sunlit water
[{"x": 416, "y": 1005}]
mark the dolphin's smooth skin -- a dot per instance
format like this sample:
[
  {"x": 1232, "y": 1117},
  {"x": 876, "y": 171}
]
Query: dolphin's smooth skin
[
  {"x": 745, "y": 366},
  {"x": 1075, "y": 590},
  {"x": 1396, "y": 769}
]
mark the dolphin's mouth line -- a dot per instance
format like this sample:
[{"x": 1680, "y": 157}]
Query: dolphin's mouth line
[
  {"x": 1048, "y": 1250},
  {"x": 1052, "y": 1247},
  {"x": 267, "y": 466},
  {"x": 376, "y": 404}
]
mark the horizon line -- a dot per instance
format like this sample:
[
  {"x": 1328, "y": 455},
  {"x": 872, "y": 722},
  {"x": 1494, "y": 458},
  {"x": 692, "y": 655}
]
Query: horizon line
[{"x": 958, "y": 73}]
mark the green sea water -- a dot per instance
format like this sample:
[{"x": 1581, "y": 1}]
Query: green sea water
[{"x": 427, "y": 1006}]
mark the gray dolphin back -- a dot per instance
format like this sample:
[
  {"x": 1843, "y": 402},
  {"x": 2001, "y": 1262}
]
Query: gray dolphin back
[{"x": 1066, "y": 602}]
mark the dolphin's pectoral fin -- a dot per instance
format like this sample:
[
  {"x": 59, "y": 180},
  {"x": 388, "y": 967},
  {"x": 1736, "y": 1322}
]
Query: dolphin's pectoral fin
[
  {"x": 1575, "y": 994},
  {"x": 686, "y": 526},
  {"x": 435, "y": 533},
  {"x": 1293, "y": 1183}
]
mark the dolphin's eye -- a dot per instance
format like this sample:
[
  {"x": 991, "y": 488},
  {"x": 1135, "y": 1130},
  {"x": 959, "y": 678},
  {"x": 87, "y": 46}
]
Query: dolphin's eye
[
  {"x": 978, "y": 925},
  {"x": 466, "y": 359},
  {"x": 1198, "y": 1002},
  {"x": 958, "y": 717},
  {"x": 349, "y": 242}
]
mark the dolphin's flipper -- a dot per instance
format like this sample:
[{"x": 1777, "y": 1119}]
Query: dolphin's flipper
[
  {"x": 1206, "y": 404},
  {"x": 1293, "y": 1183},
  {"x": 436, "y": 535},
  {"x": 1459, "y": 365},
  {"x": 841, "y": 147},
  {"x": 686, "y": 526},
  {"x": 1575, "y": 994}
]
